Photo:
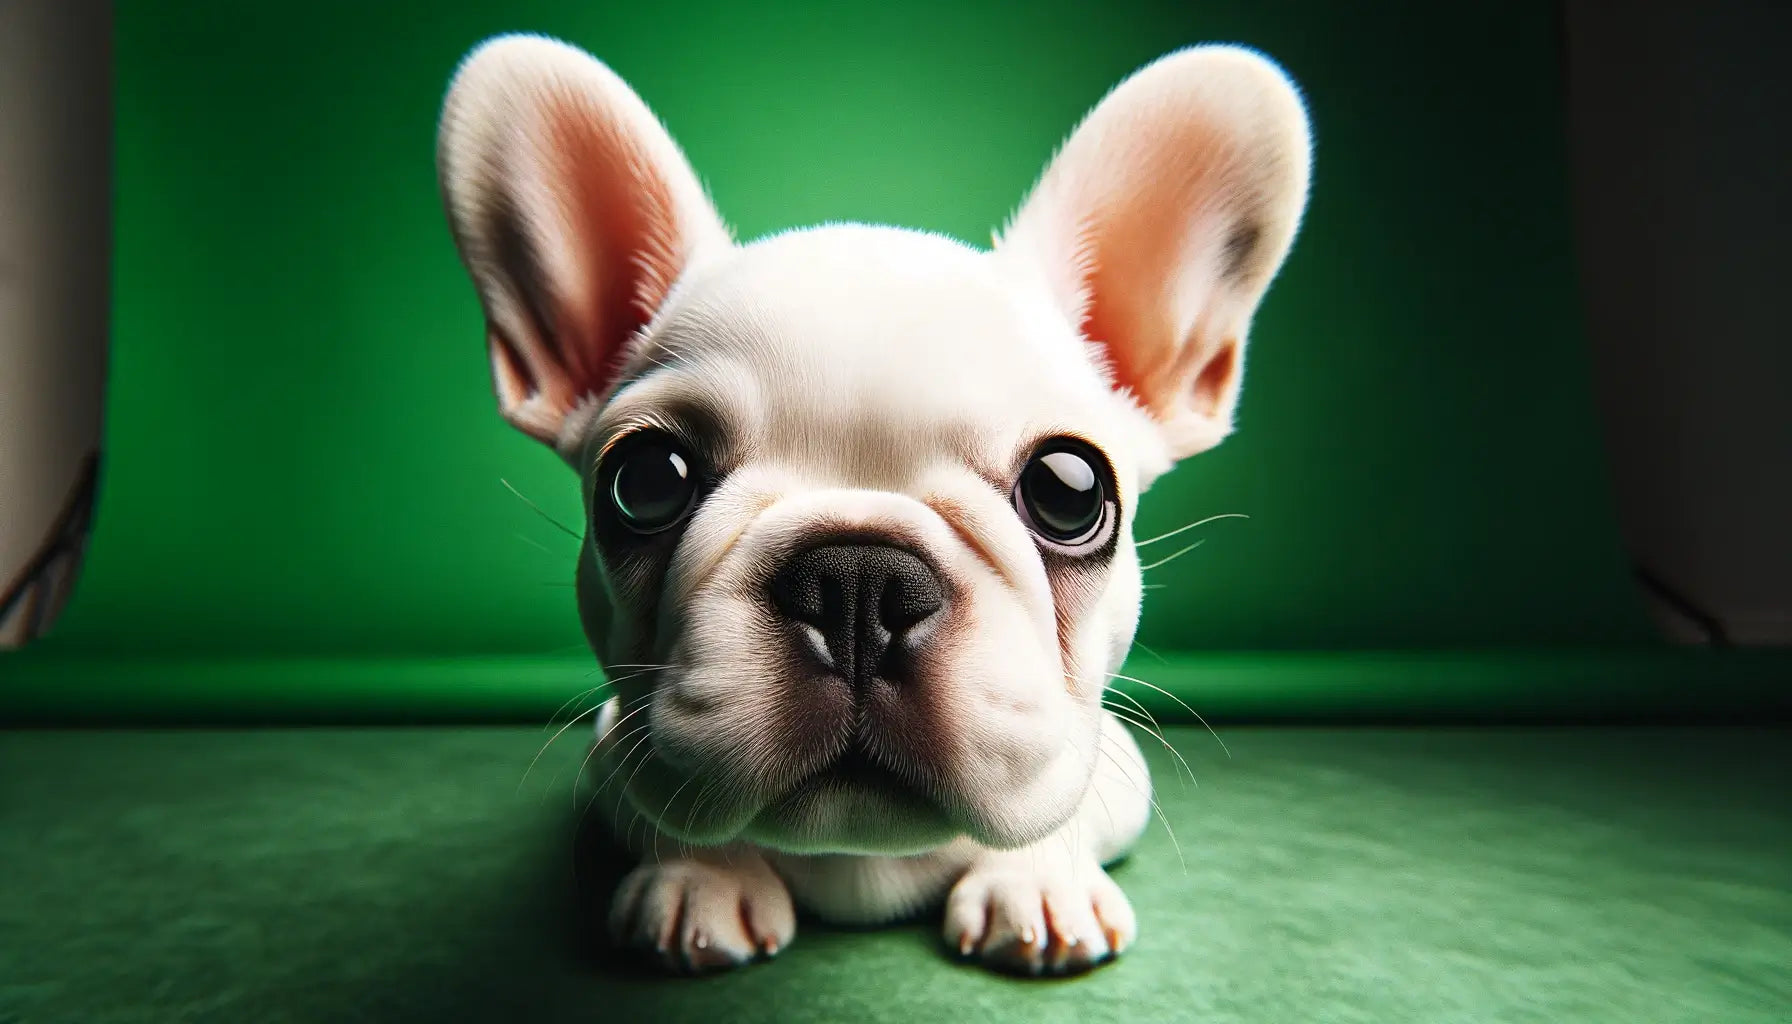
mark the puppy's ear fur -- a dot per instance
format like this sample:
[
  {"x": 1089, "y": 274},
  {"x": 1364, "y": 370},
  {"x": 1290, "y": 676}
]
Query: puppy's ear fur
[
  {"x": 574, "y": 212},
  {"x": 1158, "y": 227}
]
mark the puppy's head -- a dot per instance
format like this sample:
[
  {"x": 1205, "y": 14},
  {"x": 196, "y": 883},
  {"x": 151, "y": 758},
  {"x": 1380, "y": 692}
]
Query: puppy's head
[{"x": 859, "y": 500}]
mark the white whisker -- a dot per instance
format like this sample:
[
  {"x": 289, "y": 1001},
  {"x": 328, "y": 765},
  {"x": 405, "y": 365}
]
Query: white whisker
[
  {"x": 1184, "y": 529},
  {"x": 1167, "y": 560},
  {"x": 544, "y": 747},
  {"x": 543, "y": 514},
  {"x": 1161, "y": 816},
  {"x": 1151, "y": 652},
  {"x": 622, "y": 793},
  {"x": 1123, "y": 715},
  {"x": 597, "y": 744},
  {"x": 645, "y": 669},
  {"x": 1179, "y": 700},
  {"x": 640, "y": 730},
  {"x": 668, "y": 810},
  {"x": 1143, "y": 710},
  {"x": 574, "y": 720},
  {"x": 641, "y": 704}
]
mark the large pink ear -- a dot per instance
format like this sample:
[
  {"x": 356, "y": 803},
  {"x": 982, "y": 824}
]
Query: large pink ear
[
  {"x": 1160, "y": 223},
  {"x": 574, "y": 213}
]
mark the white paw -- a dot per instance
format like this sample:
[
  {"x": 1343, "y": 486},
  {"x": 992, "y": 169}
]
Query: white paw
[
  {"x": 698, "y": 916},
  {"x": 1038, "y": 917}
]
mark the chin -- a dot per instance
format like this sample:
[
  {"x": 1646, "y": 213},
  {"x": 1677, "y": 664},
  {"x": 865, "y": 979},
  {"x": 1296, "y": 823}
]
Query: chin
[
  {"x": 851, "y": 806},
  {"x": 845, "y": 817},
  {"x": 858, "y": 807},
  {"x": 854, "y": 805}
]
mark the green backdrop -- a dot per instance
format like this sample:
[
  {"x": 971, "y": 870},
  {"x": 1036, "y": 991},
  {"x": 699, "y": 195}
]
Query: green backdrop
[{"x": 304, "y": 457}]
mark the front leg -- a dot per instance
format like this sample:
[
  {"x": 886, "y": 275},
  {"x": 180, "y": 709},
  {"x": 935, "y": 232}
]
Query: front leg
[
  {"x": 690, "y": 908},
  {"x": 708, "y": 909},
  {"x": 1051, "y": 908},
  {"x": 1038, "y": 910}
]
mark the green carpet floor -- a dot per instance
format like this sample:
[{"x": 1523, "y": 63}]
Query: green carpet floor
[{"x": 1331, "y": 875}]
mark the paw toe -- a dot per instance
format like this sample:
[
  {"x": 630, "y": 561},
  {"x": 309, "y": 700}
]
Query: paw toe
[
  {"x": 695, "y": 918},
  {"x": 1022, "y": 923}
]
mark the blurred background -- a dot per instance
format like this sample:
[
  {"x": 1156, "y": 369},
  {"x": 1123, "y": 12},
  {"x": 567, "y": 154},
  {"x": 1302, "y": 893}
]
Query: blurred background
[{"x": 1517, "y": 388}]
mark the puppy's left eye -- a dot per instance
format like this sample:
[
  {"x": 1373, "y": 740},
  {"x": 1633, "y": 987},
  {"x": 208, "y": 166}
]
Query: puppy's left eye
[
  {"x": 652, "y": 482},
  {"x": 1062, "y": 494}
]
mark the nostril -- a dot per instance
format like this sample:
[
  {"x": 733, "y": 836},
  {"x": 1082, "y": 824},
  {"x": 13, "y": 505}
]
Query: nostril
[
  {"x": 802, "y": 593},
  {"x": 908, "y": 599}
]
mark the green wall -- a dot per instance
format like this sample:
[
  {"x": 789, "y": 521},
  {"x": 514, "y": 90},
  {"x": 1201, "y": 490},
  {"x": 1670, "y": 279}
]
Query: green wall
[{"x": 303, "y": 454}]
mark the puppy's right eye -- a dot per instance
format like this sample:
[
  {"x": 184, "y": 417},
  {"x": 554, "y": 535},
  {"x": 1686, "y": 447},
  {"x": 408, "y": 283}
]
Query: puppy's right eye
[{"x": 651, "y": 481}]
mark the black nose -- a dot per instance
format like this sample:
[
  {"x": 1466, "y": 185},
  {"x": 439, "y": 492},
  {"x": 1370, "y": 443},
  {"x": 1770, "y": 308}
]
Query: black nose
[{"x": 860, "y": 598}]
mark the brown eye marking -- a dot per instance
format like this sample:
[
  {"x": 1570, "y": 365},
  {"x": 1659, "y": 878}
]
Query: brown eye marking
[
  {"x": 751, "y": 515},
  {"x": 1032, "y": 442},
  {"x": 996, "y": 483},
  {"x": 968, "y": 443},
  {"x": 621, "y": 433},
  {"x": 692, "y": 422},
  {"x": 959, "y": 519},
  {"x": 634, "y": 562}
]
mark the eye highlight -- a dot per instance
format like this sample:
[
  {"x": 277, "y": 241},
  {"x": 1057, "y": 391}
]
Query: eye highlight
[
  {"x": 649, "y": 481},
  {"x": 1064, "y": 495}
]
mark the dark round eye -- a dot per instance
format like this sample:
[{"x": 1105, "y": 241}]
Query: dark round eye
[
  {"x": 1061, "y": 492},
  {"x": 653, "y": 483}
]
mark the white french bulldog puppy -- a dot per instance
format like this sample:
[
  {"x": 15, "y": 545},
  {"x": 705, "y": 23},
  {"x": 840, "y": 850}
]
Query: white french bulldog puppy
[{"x": 859, "y": 555}]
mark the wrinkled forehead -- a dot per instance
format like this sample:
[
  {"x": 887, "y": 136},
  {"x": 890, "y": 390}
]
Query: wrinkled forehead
[{"x": 863, "y": 351}]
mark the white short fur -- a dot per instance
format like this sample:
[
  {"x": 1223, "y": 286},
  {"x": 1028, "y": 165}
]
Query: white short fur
[{"x": 877, "y": 380}]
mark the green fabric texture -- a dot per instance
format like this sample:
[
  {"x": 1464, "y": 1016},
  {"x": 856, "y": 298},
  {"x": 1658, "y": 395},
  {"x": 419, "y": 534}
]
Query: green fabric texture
[{"x": 1358, "y": 875}]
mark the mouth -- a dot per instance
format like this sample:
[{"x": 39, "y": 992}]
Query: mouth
[
  {"x": 853, "y": 804},
  {"x": 856, "y": 771}
]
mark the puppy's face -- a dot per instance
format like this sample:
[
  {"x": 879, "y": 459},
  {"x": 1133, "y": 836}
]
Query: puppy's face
[
  {"x": 871, "y": 507},
  {"x": 859, "y": 499}
]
